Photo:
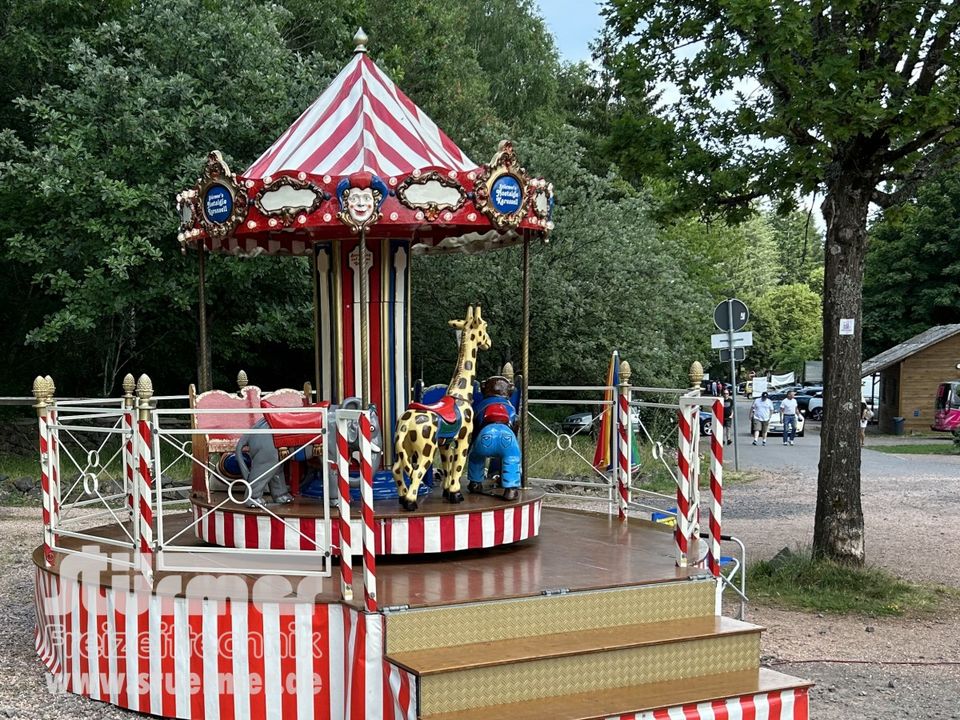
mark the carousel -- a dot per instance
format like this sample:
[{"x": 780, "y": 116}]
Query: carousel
[{"x": 198, "y": 551}]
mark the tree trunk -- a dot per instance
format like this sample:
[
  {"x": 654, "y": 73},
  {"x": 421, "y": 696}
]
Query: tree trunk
[{"x": 838, "y": 530}]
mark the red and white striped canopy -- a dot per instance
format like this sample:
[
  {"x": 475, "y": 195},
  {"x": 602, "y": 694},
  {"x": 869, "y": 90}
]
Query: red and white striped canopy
[{"x": 362, "y": 122}]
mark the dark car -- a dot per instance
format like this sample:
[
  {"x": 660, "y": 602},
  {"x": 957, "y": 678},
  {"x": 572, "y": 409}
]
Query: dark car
[{"x": 803, "y": 399}]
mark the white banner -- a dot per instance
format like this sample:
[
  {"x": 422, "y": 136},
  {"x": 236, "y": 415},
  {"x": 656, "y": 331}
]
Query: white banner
[{"x": 782, "y": 380}]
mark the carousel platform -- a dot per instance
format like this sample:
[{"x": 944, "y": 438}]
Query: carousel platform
[
  {"x": 592, "y": 619},
  {"x": 481, "y": 521}
]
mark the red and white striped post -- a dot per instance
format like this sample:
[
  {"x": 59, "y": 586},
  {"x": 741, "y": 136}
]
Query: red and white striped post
[
  {"x": 54, "y": 450},
  {"x": 42, "y": 392},
  {"x": 366, "y": 496},
  {"x": 343, "y": 485},
  {"x": 144, "y": 513},
  {"x": 684, "y": 444},
  {"x": 129, "y": 466},
  {"x": 716, "y": 488},
  {"x": 624, "y": 460}
]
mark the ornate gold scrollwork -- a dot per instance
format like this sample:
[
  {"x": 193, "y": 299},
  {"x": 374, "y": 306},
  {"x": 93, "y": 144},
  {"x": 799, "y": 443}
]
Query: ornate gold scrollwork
[
  {"x": 221, "y": 199},
  {"x": 501, "y": 190},
  {"x": 288, "y": 212},
  {"x": 416, "y": 193}
]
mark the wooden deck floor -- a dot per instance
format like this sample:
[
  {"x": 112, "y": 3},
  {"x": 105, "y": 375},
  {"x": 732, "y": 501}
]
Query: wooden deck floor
[{"x": 575, "y": 551}]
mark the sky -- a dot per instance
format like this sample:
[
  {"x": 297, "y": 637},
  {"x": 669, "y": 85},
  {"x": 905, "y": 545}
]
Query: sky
[{"x": 574, "y": 23}]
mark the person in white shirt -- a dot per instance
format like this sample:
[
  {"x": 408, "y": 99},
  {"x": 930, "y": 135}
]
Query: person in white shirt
[
  {"x": 760, "y": 413},
  {"x": 788, "y": 411}
]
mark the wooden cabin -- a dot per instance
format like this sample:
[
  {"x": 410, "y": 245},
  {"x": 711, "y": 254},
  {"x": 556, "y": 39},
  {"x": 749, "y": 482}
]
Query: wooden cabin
[{"x": 909, "y": 375}]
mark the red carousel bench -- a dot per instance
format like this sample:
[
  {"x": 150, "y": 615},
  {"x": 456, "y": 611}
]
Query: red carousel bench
[{"x": 223, "y": 430}]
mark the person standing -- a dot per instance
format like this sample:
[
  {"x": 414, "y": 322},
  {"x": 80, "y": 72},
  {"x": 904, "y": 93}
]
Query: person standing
[
  {"x": 866, "y": 415},
  {"x": 728, "y": 415},
  {"x": 760, "y": 413},
  {"x": 788, "y": 411}
]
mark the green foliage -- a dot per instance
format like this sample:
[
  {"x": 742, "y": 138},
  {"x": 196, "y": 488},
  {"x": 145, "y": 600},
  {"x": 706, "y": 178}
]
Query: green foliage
[
  {"x": 774, "y": 98},
  {"x": 606, "y": 280},
  {"x": 912, "y": 280},
  {"x": 798, "y": 581},
  {"x": 921, "y": 449},
  {"x": 142, "y": 102},
  {"x": 787, "y": 328}
]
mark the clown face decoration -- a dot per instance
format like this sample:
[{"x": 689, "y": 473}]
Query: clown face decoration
[
  {"x": 361, "y": 195},
  {"x": 360, "y": 204}
]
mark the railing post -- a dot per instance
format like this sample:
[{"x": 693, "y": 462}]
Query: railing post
[
  {"x": 129, "y": 467},
  {"x": 343, "y": 482},
  {"x": 42, "y": 393},
  {"x": 54, "y": 453},
  {"x": 684, "y": 442},
  {"x": 366, "y": 495},
  {"x": 144, "y": 509},
  {"x": 624, "y": 461},
  {"x": 696, "y": 377},
  {"x": 716, "y": 494}
]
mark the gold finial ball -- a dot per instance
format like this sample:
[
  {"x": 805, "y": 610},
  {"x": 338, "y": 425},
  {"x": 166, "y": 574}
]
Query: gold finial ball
[
  {"x": 696, "y": 374},
  {"x": 129, "y": 384},
  {"x": 625, "y": 372},
  {"x": 242, "y": 380},
  {"x": 39, "y": 387},
  {"x": 145, "y": 387},
  {"x": 507, "y": 371},
  {"x": 360, "y": 41},
  {"x": 51, "y": 387}
]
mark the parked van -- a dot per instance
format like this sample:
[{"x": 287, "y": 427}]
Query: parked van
[{"x": 946, "y": 412}]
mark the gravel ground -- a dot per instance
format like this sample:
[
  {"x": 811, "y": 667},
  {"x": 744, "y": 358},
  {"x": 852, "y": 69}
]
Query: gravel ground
[
  {"x": 912, "y": 521},
  {"x": 768, "y": 514}
]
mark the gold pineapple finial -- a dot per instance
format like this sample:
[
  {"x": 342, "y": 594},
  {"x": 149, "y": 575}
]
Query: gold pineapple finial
[
  {"x": 129, "y": 384},
  {"x": 145, "y": 387},
  {"x": 507, "y": 371},
  {"x": 242, "y": 380},
  {"x": 696, "y": 374},
  {"x": 625, "y": 373}
]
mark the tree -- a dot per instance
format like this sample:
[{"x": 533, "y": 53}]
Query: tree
[
  {"x": 87, "y": 205},
  {"x": 912, "y": 278},
  {"x": 857, "y": 100},
  {"x": 608, "y": 279}
]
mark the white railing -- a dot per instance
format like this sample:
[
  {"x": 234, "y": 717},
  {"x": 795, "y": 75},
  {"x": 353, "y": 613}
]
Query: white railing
[{"x": 112, "y": 474}]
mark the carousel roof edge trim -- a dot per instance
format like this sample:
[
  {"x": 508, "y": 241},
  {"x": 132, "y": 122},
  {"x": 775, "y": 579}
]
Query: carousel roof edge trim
[{"x": 438, "y": 211}]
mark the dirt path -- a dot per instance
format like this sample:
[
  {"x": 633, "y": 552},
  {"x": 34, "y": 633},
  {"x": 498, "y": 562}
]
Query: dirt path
[{"x": 913, "y": 530}]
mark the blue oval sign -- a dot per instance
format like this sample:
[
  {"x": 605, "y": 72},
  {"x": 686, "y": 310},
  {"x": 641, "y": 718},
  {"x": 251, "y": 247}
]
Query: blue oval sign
[
  {"x": 218, "y": 204},
  {"x": 506, "y": 195}
]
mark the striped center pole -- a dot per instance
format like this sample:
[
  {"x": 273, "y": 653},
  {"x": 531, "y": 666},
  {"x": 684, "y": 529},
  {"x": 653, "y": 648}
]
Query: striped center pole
[
  {"x": 145, "y": 480},
  {"x": 343, "y": 484},
  {"x": 366, "y": 496},
  {"x": 623, "y": 453},
  {"x": 716, "y": 488},
  {"x": 682, "y": 531},
  {"x": 42, "y": 394}
]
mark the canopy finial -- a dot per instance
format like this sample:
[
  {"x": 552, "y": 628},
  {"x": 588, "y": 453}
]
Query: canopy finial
[{"x": 360, "y": 40}]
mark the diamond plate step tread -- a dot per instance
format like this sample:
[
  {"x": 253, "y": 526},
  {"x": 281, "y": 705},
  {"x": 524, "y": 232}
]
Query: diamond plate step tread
[
  {"x": 595, "y": 705},
  {"x": 451, "y": 625},
  {"x": 597, "y": 671},
  {"x": 486, "y": 654}
]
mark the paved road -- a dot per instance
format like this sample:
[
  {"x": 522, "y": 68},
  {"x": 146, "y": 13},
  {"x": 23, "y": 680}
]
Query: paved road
[{"x": 804, "y": 456}]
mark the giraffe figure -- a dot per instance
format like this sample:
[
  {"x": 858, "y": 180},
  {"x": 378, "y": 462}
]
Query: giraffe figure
[{"x": 446, "y": 425}]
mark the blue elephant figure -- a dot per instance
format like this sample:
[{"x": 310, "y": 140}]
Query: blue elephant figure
[{"x": 496, "y": 439}]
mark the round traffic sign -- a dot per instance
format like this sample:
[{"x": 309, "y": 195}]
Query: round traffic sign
[{"x": 722, "y": 315}]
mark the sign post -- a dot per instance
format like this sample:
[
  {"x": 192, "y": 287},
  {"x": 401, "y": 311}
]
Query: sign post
[{"x": 730, "y": 316}]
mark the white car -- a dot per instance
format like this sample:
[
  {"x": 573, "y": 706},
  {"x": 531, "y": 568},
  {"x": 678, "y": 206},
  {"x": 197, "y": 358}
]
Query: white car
[{"x": 776, "y": 421}]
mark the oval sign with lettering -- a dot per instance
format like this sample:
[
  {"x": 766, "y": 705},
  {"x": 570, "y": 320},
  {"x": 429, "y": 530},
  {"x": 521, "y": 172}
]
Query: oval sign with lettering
[
  {"x": 506, "y": 194},
  {"x": 218, "y": 204}
]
